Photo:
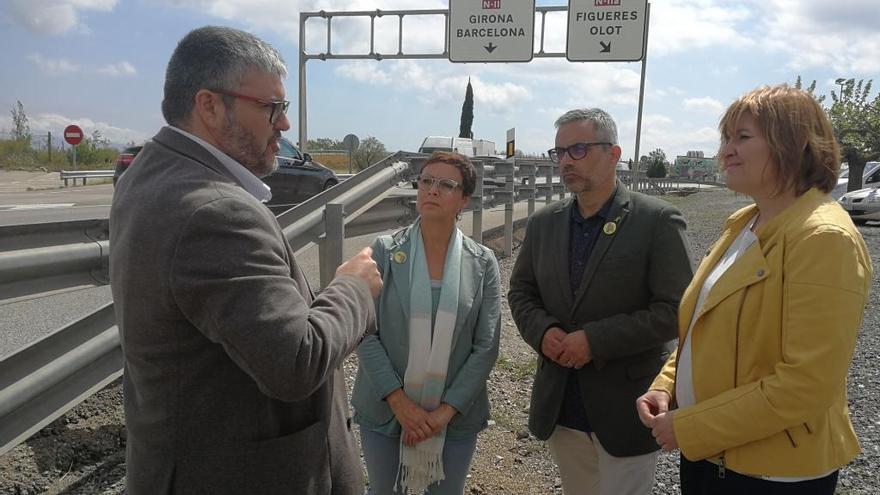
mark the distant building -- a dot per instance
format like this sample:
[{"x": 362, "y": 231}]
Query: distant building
[{"x": 695, "y": 165}]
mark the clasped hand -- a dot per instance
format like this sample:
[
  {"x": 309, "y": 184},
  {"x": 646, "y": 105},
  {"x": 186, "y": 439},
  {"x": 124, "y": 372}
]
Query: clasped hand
[
  {"x": 417, "y": 423},
  {"x": 569, "y": 350},
  {"x": 653, "y": 408}
]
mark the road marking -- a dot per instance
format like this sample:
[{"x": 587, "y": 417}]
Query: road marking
[{"x": 35, "y": 207}]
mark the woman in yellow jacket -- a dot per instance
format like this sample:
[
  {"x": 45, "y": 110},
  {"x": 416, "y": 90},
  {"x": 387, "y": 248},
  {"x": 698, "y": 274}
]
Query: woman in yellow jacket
[{"x": 755, "y": 395}]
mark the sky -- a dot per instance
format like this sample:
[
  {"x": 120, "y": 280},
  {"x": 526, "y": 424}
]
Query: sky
[{"x": 101, "y": 64}]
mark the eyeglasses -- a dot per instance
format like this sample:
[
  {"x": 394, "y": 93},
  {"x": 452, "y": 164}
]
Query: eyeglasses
[
  {"x": 445, "y": 186},
  {"x": 575, "y": 151},
  {"x": 279, "y": 107}
]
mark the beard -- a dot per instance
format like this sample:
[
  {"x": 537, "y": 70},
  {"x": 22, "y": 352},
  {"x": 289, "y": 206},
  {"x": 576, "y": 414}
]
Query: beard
[{"x": 242, "y": 145}]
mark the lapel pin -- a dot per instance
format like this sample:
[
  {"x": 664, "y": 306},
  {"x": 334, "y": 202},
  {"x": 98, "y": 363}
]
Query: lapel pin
[
  {"x": 609, "y": 228},
  {"x": 400, "y": 257}
]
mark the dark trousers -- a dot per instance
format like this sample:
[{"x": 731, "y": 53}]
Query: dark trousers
[{"x": 703, "y": 478}]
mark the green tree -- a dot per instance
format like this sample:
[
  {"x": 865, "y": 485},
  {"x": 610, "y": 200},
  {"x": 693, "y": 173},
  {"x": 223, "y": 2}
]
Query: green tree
[
  {"x": 323, "y": 144},
  {"x": 21, "y": 131},
  {"x": 93, "y": 150},
  {"x": 656, "y": 164},
  {"x": 467, "y": 113},
  {"x": 855, "y": 118},
  {"x": 370, "y": 151},
  {"x": 809, "y": 89}
]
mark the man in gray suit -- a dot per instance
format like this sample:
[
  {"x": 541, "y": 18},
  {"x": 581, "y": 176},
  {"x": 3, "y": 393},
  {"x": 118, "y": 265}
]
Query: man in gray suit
[
  {"x": 233, "y": 380},
  {"x": 595, "y": 291}
]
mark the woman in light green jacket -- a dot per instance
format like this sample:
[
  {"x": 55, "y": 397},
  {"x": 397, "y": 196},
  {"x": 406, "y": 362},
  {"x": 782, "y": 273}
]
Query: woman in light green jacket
[{"x": 420, "y": 394}]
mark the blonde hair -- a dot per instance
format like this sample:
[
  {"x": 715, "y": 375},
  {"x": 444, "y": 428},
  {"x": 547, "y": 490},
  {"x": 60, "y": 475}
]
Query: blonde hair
[{"x": 798, "y": 132}]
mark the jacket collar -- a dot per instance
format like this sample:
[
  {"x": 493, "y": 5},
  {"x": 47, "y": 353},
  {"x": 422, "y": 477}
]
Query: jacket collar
[
  {"x": 399, "y": 262},
  {"x": 617, "y": 213},
  {"x": 182, "y": 143},
  {"x": 752, "y": 266}
]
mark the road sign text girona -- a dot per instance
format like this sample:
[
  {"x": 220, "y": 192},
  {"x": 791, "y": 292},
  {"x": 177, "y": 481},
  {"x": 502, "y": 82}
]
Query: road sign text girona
[{"x": 490, "y": 18}]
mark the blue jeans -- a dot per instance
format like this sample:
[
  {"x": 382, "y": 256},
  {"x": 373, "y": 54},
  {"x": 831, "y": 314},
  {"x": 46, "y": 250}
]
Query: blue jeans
[{"x": 382, "y": 456}]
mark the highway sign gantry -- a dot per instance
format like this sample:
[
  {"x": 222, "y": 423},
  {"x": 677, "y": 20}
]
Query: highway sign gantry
[
  {"x": 606, "y": 30},
  {"x": 491, "y": 30}
]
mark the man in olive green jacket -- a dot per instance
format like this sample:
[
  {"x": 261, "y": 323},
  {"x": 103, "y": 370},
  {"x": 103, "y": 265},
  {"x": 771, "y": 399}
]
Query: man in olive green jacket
[{"x": 595, "y": 291}]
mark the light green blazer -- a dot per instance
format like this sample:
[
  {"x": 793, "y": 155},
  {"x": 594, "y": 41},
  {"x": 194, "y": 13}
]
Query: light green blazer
[{"x": 383, "y": 355}]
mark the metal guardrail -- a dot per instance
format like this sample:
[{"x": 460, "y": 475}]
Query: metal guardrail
[
  {"x": 68, "y": 175},
  {"x": 45, "y": 379},
  {"x": 37, "y": 260}
]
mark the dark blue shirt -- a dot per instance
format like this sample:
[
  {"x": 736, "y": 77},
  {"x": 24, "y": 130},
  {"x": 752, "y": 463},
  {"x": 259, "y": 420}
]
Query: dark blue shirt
[{"x": 582, "y": 236}]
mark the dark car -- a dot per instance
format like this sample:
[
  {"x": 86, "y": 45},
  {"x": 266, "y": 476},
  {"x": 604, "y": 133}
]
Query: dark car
[
  {"x": 298, "y": 177},
  {"x": 124, "y": 160}
]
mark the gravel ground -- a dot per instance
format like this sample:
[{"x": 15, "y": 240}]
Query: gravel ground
[{"x": 83, "y": 451}]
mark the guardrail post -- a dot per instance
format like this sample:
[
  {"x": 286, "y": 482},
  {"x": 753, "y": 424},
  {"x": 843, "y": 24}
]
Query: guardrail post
[
  {"x": 508, "y": 212},
  {"x": 477, "y": 213},
  {"x": 330, "y": 245},
  {"x": 532, "y": 184}
]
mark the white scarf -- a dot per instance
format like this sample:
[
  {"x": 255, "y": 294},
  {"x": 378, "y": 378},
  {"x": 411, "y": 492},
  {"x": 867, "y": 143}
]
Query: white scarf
[{"x": 428, "y": 362}]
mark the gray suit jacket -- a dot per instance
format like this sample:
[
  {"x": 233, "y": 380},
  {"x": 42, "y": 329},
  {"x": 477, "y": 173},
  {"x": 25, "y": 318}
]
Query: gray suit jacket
[
  {"x": 232, "y": 378},
  {"x": 627, "y": 303}
]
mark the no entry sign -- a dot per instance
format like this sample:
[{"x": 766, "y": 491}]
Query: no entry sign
[{"x": 73, "y": 134}]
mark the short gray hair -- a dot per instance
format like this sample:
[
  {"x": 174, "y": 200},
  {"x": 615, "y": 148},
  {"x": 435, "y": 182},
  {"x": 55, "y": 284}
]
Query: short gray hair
[
  {"x": 606, "y": 129},
  {"x": 213, "y": 57}
]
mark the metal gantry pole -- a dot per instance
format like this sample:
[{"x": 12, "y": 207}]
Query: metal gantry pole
[
  {"x": 637, "y": 159},
  {"x": 477, "y": 213},
  {"x": 303, "y": 135}
]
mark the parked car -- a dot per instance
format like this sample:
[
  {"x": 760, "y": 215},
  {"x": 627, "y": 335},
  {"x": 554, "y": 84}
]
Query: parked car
[
  {"x": 298, "y": 177},
  {"x": 870, "y": 177},
  {"x": 862, "y": 205},
  {"x": 124, "y": 160}
]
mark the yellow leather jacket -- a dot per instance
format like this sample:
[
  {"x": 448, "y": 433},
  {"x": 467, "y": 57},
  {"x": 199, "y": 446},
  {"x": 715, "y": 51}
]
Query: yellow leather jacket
[{"x": 772, "y": 345}]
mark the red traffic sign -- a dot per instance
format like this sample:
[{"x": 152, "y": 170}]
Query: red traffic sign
[{"x": 73, "y": 134}]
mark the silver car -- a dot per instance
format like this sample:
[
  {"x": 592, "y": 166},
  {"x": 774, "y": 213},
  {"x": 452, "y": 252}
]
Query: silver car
[
  {"x": 862, "y": 205},
  {"x": 870, "y": 177}
]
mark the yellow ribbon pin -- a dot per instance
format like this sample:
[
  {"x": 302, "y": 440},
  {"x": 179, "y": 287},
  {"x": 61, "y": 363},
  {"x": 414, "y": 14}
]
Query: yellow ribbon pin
[
  {"x": 609, "y": 228},
  {"x": 400, "y": 257}
]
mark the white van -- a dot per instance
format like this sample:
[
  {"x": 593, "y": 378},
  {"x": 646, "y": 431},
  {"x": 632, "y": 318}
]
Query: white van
[
  {"x": 870, "y": 178},
  {"x": 465, "y": 146}
]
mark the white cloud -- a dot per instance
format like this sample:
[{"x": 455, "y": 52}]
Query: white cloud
[
  {"x": 120, "y": 69},
  {"x": 673, "y": 135},
  {"x": 281, "y": 16},
  {"x": 55, "y": 123},
  {"x": 363, "y": 71},
  {"x": 684, "y": 25},
  {"x": 705, "y": 104},
  {"x": 824, "y": 33},
  {"x": 53, "y": 67},
  {"x": 438, "y": 84},
  {"x": 54, "y": 16}
]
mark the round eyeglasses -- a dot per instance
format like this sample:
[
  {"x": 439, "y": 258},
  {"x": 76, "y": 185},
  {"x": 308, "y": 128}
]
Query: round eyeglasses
[
  {"x": 575, "y": 151},
  {"x": 444, "y": 186}
]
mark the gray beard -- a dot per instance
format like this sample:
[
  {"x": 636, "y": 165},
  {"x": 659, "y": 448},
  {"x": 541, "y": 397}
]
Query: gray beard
[{"x": 242, "y": 146}]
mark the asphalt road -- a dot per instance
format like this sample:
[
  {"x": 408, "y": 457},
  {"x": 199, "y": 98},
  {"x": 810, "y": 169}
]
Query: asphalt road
[{"x": 27, "y": 321}]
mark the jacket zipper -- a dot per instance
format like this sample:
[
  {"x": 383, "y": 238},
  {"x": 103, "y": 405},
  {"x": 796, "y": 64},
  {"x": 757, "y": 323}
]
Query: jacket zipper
[{"x": 722, "y": 471}]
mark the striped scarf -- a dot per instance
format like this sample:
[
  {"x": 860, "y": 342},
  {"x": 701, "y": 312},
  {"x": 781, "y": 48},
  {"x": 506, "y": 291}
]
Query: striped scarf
[{"x": 425, "y": 377}]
